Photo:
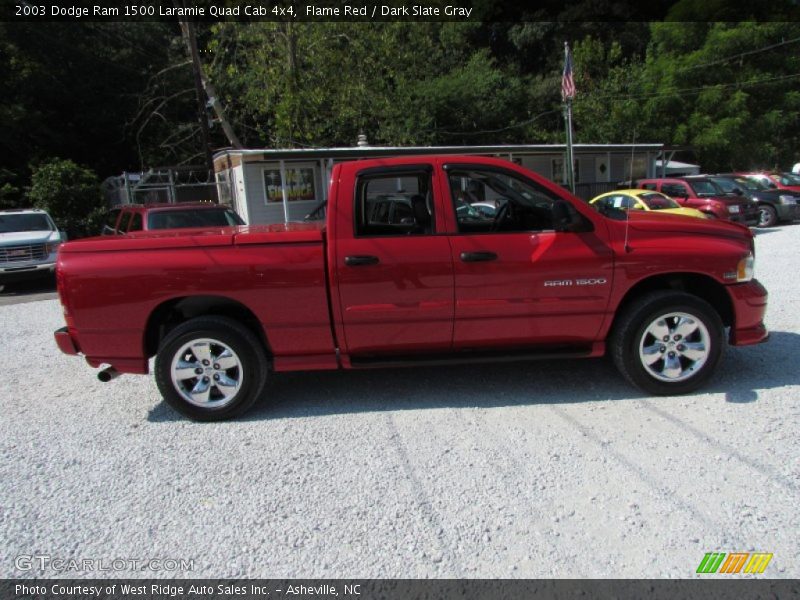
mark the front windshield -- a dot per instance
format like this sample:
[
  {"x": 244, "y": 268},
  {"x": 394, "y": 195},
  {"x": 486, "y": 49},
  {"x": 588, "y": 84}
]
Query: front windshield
[
  {"x": 705, "y": 187},
  {"x": 657, "y": 201},
  {"x": 13, "y": 223},
  {"x": 729, "y": 185},
  {"x": 789, "y": 179}
]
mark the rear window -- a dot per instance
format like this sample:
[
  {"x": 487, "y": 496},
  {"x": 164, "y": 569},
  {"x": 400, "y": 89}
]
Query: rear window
[
  {"x": 123, "y": 222},
  {"x": 24, "y": 222},
  {"x": 136, "y": 223},
  {"x": 658, "y": 201},
  {"x": 192, "y": 217},
  {"x": 111, "y": 220}
]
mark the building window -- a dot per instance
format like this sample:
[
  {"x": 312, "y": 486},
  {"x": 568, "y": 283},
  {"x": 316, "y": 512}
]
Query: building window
[
  {"x": 560, "y": 174},
  {"x": 224, "y": 192},
  {"x": 635, "y": 168},
  {"x": 299, "y": 183}
]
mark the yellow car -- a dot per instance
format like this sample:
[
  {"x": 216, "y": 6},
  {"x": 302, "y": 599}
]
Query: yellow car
[{"x": 643, "y": 200}]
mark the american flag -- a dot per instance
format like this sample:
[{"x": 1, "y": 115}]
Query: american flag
[{"x": 567, "y": 81}]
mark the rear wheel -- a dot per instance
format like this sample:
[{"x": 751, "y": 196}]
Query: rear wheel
[
  {"x": 668, "y": 343},
  {"x": 211, "y": 368},
  {"x": 767, "y": 216}
]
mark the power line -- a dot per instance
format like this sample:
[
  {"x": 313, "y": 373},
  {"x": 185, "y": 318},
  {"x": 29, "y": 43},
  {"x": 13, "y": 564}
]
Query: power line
[
  {"x": 740, "y": 55},
  {"x": 522, "y": 124},
  {"x": 697, "y": 90}
]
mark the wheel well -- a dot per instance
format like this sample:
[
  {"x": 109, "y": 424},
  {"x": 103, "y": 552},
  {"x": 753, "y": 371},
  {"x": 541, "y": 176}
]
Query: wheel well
[
  {"x": 701, "y": 286},
  {"x": 172, "y": 313}
]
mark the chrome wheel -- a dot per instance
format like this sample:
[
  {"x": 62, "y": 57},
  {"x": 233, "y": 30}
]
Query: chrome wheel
[
  {"x": 674, "y": 346},
  {"x": 206, "y": 373}
]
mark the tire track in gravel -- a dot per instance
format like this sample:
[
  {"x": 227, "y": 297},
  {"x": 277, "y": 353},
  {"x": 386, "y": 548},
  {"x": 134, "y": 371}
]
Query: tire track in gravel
[
  {"x": 487, "y": 429},
  {"x": 421, "y": 498},
  {"x": 761, "y": 469},
  {"x": 647, "y": 479}
]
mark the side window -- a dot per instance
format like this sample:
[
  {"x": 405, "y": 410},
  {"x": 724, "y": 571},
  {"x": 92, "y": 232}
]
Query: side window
[
  {"x": 136, "y": 222},
  {"x": 518, "y": 204},
  {"x": 109, "y": 227},
  {"x": 394, "y": 204},
  {"x": 676, "y": 190},
  {"x": 123, "y": 222},
  {"x": 649, "y": 186}
]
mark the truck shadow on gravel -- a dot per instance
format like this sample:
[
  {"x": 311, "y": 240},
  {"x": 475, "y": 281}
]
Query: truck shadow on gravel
[{"x": 743, "y": 372}]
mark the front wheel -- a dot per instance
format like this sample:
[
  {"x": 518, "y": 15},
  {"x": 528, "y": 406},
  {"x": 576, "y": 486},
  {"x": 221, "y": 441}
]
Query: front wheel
[
  {"x": 210, "y": 368},
  {"x": 767, "y": 216},
  {"x": 668, "y": 343}
]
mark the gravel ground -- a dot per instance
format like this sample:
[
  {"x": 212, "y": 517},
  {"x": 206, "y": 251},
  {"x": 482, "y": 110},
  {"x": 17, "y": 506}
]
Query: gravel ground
[{"x": 551, "y": 469}]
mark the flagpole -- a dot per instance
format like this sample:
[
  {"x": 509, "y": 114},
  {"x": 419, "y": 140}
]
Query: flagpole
[
  {"x": 568, "y": 123},
  {"x": 570, "y": 156}
]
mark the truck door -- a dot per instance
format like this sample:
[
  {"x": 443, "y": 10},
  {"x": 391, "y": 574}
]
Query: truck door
[
  {"x": 518, "y": 282},
  {"x": 394, "y": 271}
]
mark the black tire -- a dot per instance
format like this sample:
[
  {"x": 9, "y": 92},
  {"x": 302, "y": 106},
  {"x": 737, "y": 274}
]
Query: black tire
[
  {"x": 224, "y": 400},
  {"x": 767, "y": 216},
  {"x": 634, "y": 329}
]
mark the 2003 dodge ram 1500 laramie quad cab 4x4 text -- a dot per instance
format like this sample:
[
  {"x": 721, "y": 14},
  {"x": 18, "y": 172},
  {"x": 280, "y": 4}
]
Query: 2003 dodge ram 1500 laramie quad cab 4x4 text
[{"x": 401, "y": 272}]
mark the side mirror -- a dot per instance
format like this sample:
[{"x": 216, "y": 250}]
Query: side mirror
[
  {"x": 566, "y": 218},
  {"x": 772, "y": 186},
  {"x": 738, "y": 191},
  {"x": 63, "y": 235}
]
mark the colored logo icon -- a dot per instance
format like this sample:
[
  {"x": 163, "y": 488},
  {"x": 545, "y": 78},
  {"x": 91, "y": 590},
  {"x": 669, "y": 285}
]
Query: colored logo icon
[{"x": 735, "y": 562}]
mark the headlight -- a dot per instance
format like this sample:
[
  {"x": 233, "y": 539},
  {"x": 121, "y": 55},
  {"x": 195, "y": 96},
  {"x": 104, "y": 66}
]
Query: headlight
[
  {"x": 787, "y": 199},
  {"x": 51, "y": 247},
  {"x": 745, "y": 268}
]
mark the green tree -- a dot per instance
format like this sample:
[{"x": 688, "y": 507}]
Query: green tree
[{"x": 70, "y": 193}]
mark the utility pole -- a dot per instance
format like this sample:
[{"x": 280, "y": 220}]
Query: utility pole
[
  {"x": 206, "y": 89},
  {"x": 187, "y": 29}
]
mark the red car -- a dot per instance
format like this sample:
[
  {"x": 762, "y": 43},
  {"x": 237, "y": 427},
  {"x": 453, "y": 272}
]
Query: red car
[
  {"x": 703, "y": 194},
  {"x": 396, "y": 275},
  {"x": 131, "y": 218}
]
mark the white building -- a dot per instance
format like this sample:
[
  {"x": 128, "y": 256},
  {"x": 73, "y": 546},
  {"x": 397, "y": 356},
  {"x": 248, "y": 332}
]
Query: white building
[{"x": 271, "y": 186}]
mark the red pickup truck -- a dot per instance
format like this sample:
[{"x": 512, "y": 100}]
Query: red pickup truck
[{"x": 398, "y": 274}]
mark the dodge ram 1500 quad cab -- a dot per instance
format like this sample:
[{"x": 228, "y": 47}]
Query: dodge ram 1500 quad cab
[{"x": 396, "y": 275}]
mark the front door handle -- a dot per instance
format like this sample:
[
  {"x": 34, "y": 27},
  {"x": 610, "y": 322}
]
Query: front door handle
[
  {"x": 356, "y": 261},
  {"x": 478, "y": 256}
]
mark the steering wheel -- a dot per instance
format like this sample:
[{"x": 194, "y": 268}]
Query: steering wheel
[{"x": 502, "y": 214}]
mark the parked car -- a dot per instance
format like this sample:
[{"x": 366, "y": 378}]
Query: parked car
[
  {"x": 706, "y": 196},
  {"x": 548, "y": 276},
  {"x": 776, "y": 181},
  {"x": 642, "y": 199},
  {"x": 130, "y": 218},
  {"x": 29, "y": 242},
  {"x": 774, "y": 205}
]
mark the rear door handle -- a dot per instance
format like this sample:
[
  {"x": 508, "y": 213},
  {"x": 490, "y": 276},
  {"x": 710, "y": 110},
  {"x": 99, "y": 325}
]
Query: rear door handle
[
  {"x": 356, "y": 261},
  {"x": 478, "y": 256}
]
